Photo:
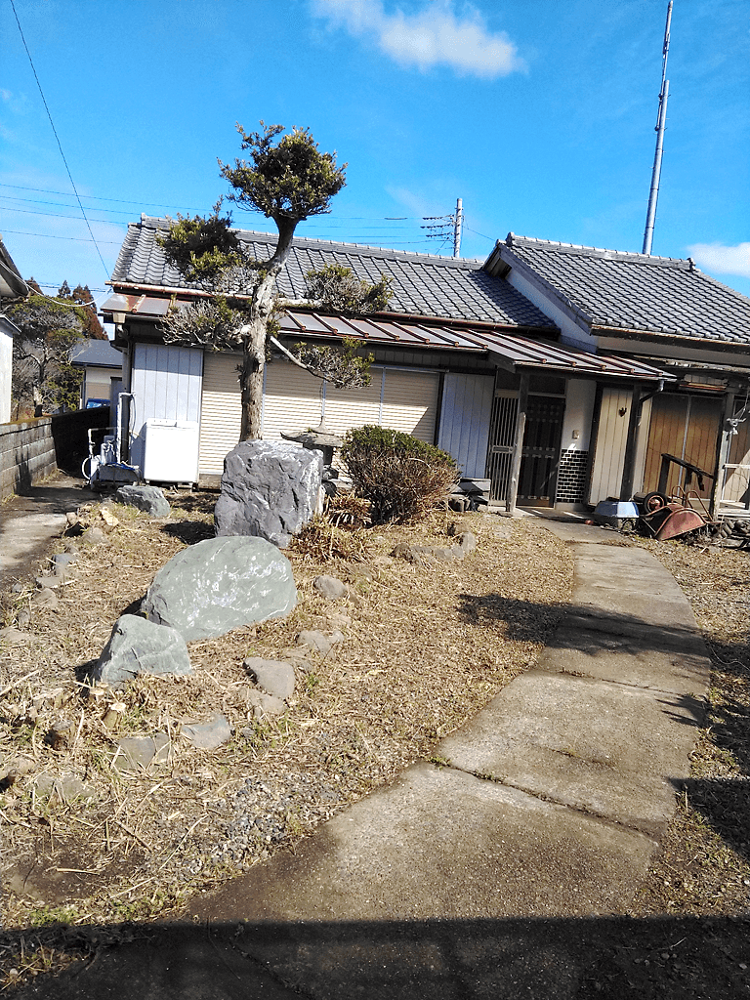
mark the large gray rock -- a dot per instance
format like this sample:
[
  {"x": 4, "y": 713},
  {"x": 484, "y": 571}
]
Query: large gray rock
[
  {"x": 269, "y": 489},
  {"x": 146, "y": 498},
  {"x": 137, "y": 646},
  {"x": 221, "y": 584}
]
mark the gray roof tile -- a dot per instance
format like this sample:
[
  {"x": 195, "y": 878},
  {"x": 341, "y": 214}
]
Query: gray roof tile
[
  {"x": 422, "y": 284},
  {"x": 633, "y": 291}
]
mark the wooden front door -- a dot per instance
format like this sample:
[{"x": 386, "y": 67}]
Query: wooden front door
[{"x": 540, "y": 454}]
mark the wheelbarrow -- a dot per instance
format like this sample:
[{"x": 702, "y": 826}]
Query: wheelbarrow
[{"x": 663, "y": 517}]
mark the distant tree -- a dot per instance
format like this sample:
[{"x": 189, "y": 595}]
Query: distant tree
[
  {"x": 93, "y": 328},
  {"x": 43, "y": 377},
  {"x": 288, "y": 180},
  {"x": 34, "y": 286},
  {"x": 64, "y": 292}
]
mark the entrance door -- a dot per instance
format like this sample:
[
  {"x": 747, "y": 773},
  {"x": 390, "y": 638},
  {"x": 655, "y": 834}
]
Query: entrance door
[{"x": 541, "y": 451}]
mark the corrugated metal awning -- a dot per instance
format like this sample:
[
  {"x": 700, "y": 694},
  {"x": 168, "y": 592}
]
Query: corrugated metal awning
[{"x": 508, "y": 350}]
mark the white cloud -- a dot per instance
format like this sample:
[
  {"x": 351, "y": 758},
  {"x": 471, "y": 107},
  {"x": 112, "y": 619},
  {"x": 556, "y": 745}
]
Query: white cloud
[
  {"x": 435, "y": 36},
  {"x": 722, "y": 260}
]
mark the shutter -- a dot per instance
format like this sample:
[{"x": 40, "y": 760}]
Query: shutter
[
  {"x": 221, "y": 412},
  {"x": 291, "y": 400},
  {"x": 410, "y": 403},
  {"x": 347, "y": 408}
]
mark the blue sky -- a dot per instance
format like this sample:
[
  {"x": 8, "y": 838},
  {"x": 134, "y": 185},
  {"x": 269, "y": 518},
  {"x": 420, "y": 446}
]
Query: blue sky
[{"x": 539, "y": 114}]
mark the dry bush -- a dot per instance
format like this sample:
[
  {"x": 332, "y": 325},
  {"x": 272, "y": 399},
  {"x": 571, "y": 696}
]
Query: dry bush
[{"x": 402, "y": 477}]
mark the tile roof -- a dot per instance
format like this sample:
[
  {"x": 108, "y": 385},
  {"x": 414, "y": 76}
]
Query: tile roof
[
  {"x": 633, "y": 291},
  {"x": 422, "y": 284},
  {"x": 98, "y": 353}
]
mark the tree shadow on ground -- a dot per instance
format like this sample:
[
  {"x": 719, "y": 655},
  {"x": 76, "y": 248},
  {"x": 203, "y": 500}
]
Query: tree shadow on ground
[{"x": 454, "y": 959}]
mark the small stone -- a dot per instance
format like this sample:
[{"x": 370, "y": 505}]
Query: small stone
[
  {"x": 53, "y": 581},
  {"x": 149, "y": 499},
  {"x": 330, "y": 588},
  {"x": 137, "y": 752},
  {"x": 137, "y": 646},
  {"x": 208, "y": 735},
  {"x": 65, "y": 786},
  {"x": 23, "y": 618},
  {"x": 275, "y": 677},
  {"x": 93, "y": 536},
  {"x": 59, "y": 734},
  {"x": 318, "y": 641},
  {"x": 14, "y": 636},
  {"x": 46, "y": 598},
  {"x": 467, "y": 541},
  {"x": 16, "y": 769},
  {"x": 269, "y": 705}
]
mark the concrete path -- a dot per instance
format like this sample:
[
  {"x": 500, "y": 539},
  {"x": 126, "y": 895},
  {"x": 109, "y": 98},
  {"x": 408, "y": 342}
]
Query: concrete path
[
  {"x": 503, "y": 868},
  {"x": 28, "y": 523}
]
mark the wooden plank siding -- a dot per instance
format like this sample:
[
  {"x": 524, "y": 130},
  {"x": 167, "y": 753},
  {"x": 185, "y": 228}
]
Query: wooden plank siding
[
  {"x": 688, "y": 428},
  {"x": 609, "y": 454}
]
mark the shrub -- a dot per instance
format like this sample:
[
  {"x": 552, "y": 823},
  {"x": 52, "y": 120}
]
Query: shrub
[{"x": 401, "y": 477}]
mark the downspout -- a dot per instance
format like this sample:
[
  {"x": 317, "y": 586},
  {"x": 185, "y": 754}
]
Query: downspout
[{"x": 636, "y": 409}]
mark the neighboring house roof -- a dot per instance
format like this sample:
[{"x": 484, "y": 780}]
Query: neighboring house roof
[
  {"x": 12, "y": 284},
  {"x": 422, "y": 284},
  {"x": 629, "y": 292},
  {"x": 95, "y": 354}
]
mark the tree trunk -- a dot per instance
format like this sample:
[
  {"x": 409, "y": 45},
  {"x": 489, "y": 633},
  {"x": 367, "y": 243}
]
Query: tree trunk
[
  {"x": 254, "y": 358},
  {"x": 254, "y": 336}
]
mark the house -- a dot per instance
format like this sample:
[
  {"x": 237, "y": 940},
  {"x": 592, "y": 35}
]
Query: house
[
  {"x": 462, "y": 358},
  {"x": 12, "y": 286},
  {"x": 102, "y": 372},
  {"x": 663, "y": 312}
]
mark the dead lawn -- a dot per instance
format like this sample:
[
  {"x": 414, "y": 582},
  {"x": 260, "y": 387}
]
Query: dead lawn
[{"x": 425, "y": 647}]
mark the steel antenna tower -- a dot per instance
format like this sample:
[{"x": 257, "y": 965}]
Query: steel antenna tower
[{"x": 661, "y": 120}]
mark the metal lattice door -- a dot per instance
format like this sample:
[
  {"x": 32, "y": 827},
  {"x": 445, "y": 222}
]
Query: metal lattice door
[{"x": 501, "y": 439}]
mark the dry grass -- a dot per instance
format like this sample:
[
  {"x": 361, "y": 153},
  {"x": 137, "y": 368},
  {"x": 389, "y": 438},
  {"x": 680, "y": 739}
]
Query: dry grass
[
  {"x": 416, "y": 662},
  {"x": 703, "y": 866}
]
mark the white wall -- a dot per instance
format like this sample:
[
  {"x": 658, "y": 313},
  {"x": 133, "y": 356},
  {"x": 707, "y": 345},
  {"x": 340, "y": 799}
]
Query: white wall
[
  {"x": 6, "y": 367},
  {"x": 579, "y": 412}
]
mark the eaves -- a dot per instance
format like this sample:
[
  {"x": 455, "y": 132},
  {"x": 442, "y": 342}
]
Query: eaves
[
  {"x": 671, "y": 339},
  {"x": 502, "y": 260}
]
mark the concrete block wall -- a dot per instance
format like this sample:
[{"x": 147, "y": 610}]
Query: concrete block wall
[
  {"x": 27, "y": 454},
  {"x": 32, "y": 450}
]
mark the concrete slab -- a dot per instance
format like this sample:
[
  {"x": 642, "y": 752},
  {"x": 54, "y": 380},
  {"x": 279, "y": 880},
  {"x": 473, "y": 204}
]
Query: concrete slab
[
  {"x": 608, "y": 749},
  {"x": 637, "y": 659},
  {"x": 28, "y": 523},
  {"x": 439, "y": 843}
]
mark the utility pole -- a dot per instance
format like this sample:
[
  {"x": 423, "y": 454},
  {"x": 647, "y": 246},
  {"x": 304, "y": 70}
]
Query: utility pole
[
  {"x": 661, "y": 120},
  {"x": 445, "y": 226}
]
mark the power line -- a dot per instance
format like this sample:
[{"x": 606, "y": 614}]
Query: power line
[
  {"x": 54, "y": 130},
  {"x": 54, "y": 215},
  {"x": 49, "y": 236}
]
